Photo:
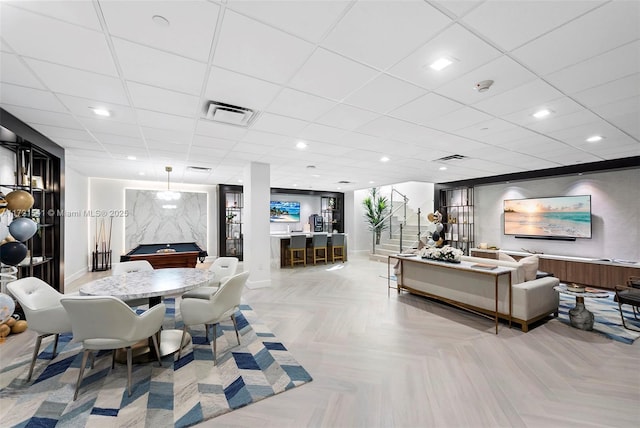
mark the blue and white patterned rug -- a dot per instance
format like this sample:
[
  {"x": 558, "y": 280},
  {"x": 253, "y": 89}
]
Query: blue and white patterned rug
[
  {"x": 180, "y": 393},
  {"x": 607, "y": 319}
]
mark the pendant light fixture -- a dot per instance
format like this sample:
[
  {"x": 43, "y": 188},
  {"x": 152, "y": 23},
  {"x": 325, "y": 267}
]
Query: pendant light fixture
[{"x": 168, "y": 195}]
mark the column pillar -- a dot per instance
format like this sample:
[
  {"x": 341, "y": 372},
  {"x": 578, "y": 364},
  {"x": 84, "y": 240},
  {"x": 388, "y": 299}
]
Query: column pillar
[{"x": 257, "y": 242}]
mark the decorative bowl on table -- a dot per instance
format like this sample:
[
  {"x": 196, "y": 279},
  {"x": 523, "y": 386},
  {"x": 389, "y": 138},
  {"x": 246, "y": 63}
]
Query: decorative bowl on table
[{"x": 576, "y": 288}]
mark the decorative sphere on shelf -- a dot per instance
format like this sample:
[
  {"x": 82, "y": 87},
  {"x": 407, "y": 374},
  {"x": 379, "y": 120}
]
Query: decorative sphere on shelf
[
  {"x": 19, "y": 200},
  {"x": 7, "y": 306},
  {"x": 13, "y": 253},
  {"x": 23, "y": 228}
]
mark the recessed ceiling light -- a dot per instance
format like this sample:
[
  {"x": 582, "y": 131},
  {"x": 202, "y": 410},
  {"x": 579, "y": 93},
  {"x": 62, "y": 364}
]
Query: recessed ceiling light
[
  {"x": 301, "y": 145},
  {"x": 132, "y": 157},
  {"x": 541, "y": 113},
  {"x": 160, "y": 20},
  {"x": 240, "y": 180},
  {"x": 371, "y": 182},
  {"x": 594, "y": 139},
  {"x": 384, "y": 159},
  {"x": 141, "y": 173},
  {"x": 101, "y": 112},
  {"x": 315, "y": 175},
  {"x": 443, "y": 168},
  {"x": 441, "y": 64},
  {"x": 338, "y": 188}
]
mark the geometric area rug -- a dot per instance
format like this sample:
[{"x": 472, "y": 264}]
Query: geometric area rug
[
  {"x": 607, "y": 319},
  {"x": 181, "y": 393}
]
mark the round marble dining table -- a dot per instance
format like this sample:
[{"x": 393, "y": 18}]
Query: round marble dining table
[{"x": 151, "y": 285}]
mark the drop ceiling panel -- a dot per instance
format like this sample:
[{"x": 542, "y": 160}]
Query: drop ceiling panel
[
  {"x": 103, "y": 125},
  {"x": 63, "y": 41},
  {"x": 330, "y": 75},
  {"x": 162, "y": 100},
  {"x": 532, "y": 96},
  {"x": 252, "y": 48},
  {"x": 560, "y": 107},
  {"x": 467, "y": 50},
  {"x": 510, "y": 24},
  {"x": 107, "y": 139},
  {"x": 309, "y": 20},
  {"x": 78, "y": 12},
  {"x": 346, "y": 117},
  {"x": 458, "y": 7},
  {"x": 274, "y": 140},
  {"x": 154, "y": 119},
  {"x": 42, "y": 117},
  {"x": 484, "y": 131},
  {"x": 299, "y": 105},
  {"x": 458, "y": 119},
  {"x": 627, "y": 87},
  {"x": 610, "y": 66},
  {"x": 79, "y": 83},
  {"x": 160, "y": 134},
  {"x": 29, "y": 97},
  {"x": 218, "y": 130},
  {"x": 425, "y": 108},
  {"x": 83, "y": 107},
  {"x": 407, "y": 25},
  {"x": 239, "y": 90},
  {"x": 157, "y": 68},
  {"x": 583, "y": 38},
  {"x": 55, "y": 132},
  {"x": 14, "y": 71},
  {"x": 190, "y": 31},
  {"x": 278, "y": 124},
  {"x": 384, "y": 93}
]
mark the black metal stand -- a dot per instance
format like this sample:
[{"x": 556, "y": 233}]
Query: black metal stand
[{"x": 101, "y": 260}]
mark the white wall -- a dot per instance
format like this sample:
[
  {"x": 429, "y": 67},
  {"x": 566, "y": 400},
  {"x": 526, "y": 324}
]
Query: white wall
[
  {"x": 615, "y": 206},
  {"x": 107, "y": 195},
  {"x": 76, "y": 225}
]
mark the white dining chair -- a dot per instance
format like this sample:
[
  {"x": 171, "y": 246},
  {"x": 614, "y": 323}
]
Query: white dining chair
[
  {"x": 43, "y": 311},
  {"x": 220, "y": 306},
  {"x": 128, "y": 267},
  {"x": 106, "y": 322},
  {"x": 223, "y": 268}
]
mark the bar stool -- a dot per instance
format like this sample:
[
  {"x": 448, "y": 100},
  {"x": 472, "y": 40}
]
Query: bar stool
[
  {"x": 319, "y": 244},
  {"x": 337, "y": 247},
  {"x": 298, "y": 245}
]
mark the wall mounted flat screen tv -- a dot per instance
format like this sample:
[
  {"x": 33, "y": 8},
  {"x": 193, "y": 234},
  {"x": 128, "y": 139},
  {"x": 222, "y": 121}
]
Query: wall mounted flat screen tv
[
  {"x": 284, "y": 212},
  {"x": 560, "y": 217}
]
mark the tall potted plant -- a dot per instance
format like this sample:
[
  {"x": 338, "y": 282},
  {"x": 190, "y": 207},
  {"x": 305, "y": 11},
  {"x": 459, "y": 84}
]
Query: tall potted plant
[{"x": 375, "y": 211}]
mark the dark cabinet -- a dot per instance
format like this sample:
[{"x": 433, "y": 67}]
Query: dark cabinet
[
  {"x": 231, "y": 221},
  {"x": 456, "y": 207},
  {"x": 331, "y": 208}
]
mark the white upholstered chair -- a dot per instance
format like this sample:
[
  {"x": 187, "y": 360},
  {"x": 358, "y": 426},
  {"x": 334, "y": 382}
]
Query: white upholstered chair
[
  {"x": 106, "y": 322},
  {"x": 223, "y": 268},
  {"x": 132, "y": 266},
  {"x": 221, "y": 305},
  {"x": 42, "y": 308}
]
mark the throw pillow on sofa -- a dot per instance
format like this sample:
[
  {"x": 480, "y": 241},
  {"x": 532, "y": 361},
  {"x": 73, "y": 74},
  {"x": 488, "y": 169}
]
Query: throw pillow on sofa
[
  {"x": 506, "y": 258},
  {"x": 530, "y": 267}
]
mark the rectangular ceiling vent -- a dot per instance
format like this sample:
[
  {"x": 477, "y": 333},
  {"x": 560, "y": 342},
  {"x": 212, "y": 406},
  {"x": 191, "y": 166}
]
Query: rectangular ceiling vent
[
  {"x": 199, "y": 169},
  {"x": 448, "y": 158},
  {"x": 231, "y": 115}
]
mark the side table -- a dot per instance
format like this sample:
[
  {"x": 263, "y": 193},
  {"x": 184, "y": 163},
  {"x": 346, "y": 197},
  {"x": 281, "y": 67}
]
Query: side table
[{"x": 580, "y": 317}]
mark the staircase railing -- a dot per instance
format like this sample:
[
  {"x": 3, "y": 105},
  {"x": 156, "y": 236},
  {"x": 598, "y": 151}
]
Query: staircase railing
[
  {"x": 404, "y": 206},
  {"x": 382, "y": 221}
]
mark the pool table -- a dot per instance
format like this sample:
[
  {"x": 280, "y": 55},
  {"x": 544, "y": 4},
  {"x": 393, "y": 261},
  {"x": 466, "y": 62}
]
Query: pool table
[{"x": 184, "y": 254}]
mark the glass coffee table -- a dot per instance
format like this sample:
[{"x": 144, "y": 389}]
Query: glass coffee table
[{"x": 580, "y": 317}]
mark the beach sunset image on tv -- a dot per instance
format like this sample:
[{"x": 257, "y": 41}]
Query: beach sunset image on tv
[{"x": 563, "y": 216}]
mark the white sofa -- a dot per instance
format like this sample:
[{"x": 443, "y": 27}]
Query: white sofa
[{"x": 532, "y": 300}]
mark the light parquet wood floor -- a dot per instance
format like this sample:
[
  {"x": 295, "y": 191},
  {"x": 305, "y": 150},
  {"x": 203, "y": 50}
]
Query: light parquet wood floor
[{"x": 404, "y": 361}]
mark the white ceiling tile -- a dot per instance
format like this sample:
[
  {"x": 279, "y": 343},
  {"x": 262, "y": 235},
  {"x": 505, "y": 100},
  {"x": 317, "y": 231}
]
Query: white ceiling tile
[
  {"x": 458, "y": 119},
  {"x": 560, "y": 108},
  {"x": 14, "y": 71},
  {"x": 510, "y": 135},
  {"x": 81, "y": 13},
  {"x": 346, "y": 117},
  {"x": 190, "y": 32},
  {"x": 278, "y": 124},
  {"x": 79, "y": 83},
  {"x": 77, "y": 144},
  {"x": 237, "y": 89},
  {"x": 384, "y": 93},
  {"x": 510, "y": 24},
  {"x": 201, "y": 142},
  {"x": 467, "y": 50},
  {"x": 154, "y": 119},
  {"x": 531, "y": 95},
  {"x": 309, "y": 20},
  {"x": 82, "y": 107},
  {"x": 320, "y": 133},
  {"x": 155, "y": 146},
  {"x": 611, "y": 91},
  {"x": 107, "y": 126},
  {"x": 381, "y": 33},
  {"x": 330, "y": 75},
  {"x": 256, "y": 149},
  {"x": 484, "y": 131},
  {"x": 600, "y": 30},
  {"x": 157, "y": 68},
  {"x": 577, "y": 135},
  {"x": 623, "y": 113},
  {"x": 426, "y": 108},
  {"x": 108, "y": 139},
  {"x": 162, "y": 100},
  {"x": 42, "y": 117},
  {"x": 63, "y": 41},
  {"x": 457, "y": 7},
  {"x": 610, "y": 66},
  {"x": 219, "y": 130},
  {"x": 505, "y": 73},
  {"x": 166, "y": 135},
  {"x": 29, "y": 97},
  {"x": 299, "y": 105},
  {"x": 252, "y": 48},
  {"x": 55, "y": 132}
]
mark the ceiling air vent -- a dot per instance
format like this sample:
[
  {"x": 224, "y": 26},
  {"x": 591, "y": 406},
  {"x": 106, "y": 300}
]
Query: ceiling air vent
[
  {"x": 231, "y": 115},
  {"x": 199, "y": 169},
  {"x": 344, "y": 182},
  {"x": 452, "y": 157}
]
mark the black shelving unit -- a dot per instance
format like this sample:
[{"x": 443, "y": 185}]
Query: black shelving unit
[
  {"x": 231, "y": 221},
  {"x": 331, "y": 208},
  {"x": 456, "y": 207}
]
